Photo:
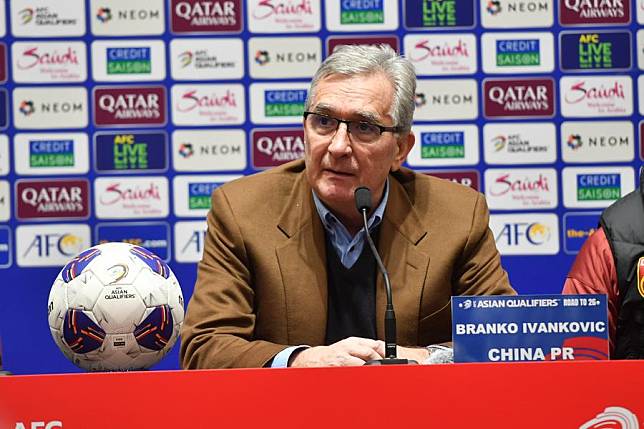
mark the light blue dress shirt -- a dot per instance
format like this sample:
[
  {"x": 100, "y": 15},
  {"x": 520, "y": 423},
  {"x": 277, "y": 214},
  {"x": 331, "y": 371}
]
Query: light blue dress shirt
[{"x": 348, "y": 249}]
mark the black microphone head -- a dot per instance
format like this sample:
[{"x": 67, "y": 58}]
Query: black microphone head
[{"x": 362, "y": 195}]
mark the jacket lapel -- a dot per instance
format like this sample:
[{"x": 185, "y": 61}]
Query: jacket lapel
[
  {"x": 400, "y": 233},
  {"x": 302, "y": 263}
]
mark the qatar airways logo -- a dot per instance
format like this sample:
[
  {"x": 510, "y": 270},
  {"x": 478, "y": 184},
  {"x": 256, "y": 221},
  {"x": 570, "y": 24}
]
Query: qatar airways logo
[
  {"x": 208, "y": 104},
  {"x": 517, "y": 189},
  {"x": 140, "y": 197},
  {"x": 49, "y": 62},
  {"x": 594, "y": 12},
  {"x": 190, "y": 16},
  {"x": 596, "y": 96},
  {"x": 129, "y": 106},
  {"x": 512, "y": 98},
  {"x": 272, "y": 147}
]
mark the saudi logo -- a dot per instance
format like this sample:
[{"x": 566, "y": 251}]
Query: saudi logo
[
  {"x": 261, "y": 57},
  {"x": 26, "y": 14},
  {"x": 27, "y": 107},
  {"x": 493, "y": 7},
  {"x": 538, "y": 233},
  {"x": 185, "y": 58},
  {"x": 186, "y": 150},
  {"x": 104, "y": 14},
  {"x": 574, "y": 141},
  {"x": 499, "y": 142},
  {"x": 420, "y": 100}
]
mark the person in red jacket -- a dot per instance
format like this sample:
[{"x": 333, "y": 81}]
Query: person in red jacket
[{"x": 593, "y": 272}]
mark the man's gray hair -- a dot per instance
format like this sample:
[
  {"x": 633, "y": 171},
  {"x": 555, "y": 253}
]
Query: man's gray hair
[{"x": 351, "y": 60}]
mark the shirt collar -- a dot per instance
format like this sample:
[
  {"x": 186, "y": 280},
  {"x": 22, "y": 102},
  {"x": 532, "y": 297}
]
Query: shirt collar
[{"x": 330, "y": 221}]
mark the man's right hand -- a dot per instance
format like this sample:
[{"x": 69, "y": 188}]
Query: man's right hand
[{"x": 352, "y": 351}]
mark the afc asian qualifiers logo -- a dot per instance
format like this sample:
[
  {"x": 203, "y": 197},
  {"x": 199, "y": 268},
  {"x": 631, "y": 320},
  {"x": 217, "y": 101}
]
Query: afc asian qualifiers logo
[
  {"x": 272, "y": 147},
  {"x": 207, "y": 59},
  {"x": 38, "y": 199},
  {"x": 38, "y": 18},
  {"x": 609, "y": 50},
  {"x": 130, "y": 106},
  {"x": 469, "y": 178},
  {"x": 439, "y": 14},
  {"x": 594, "y": 12},
  {"x": 335, "y": 41},
  {"x": 283, "y": 16},
  {"x": 519, "y": 97},
  {"x": 613, "y": 417},
  {"x": 206, "y": 16}
]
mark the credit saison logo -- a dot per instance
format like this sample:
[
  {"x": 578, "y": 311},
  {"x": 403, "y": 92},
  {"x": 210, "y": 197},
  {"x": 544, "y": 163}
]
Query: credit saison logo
[
  {"x": 442, "y": 144},
  {"x": 522, "y": 52},
  {"x": 129, "y": 106},
  {"x": 206, "y": 15},
  {"x": 130, "y": 60},
  {"x": 199, "y": 195},
  {"x": 529, "y": 97},
  {"x": 51, "y": 153},
  {"x": 52, "y": 199},
  {"x": 362, "y": 12},
  {"x": 284, "y": 102},
  {"x": 598, "y": 187},
  {"x": 594, "y": 12},
  {"x": 131, "y": 151},
  {"x": 439, "y": 13}
]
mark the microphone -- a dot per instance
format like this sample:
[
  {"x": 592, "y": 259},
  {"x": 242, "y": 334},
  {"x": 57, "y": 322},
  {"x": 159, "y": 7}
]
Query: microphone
[{"x": 362, "y": 197}]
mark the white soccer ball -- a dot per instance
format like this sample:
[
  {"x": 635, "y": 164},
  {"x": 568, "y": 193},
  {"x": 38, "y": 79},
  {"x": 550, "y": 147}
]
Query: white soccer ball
[{"x": 115, "y": 307}]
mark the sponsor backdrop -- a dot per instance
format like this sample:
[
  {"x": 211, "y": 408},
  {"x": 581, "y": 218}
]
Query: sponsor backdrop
[{"x": 118, "y": 118}]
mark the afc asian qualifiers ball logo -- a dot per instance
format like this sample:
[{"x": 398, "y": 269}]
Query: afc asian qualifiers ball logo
[{"x": 613, "y": 417}]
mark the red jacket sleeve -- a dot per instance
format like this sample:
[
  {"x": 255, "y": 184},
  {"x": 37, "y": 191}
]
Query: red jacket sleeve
[{"x": 594, "y": 272}]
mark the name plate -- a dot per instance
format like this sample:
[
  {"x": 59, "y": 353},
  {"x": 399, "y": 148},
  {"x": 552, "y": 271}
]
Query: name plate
[{"x": 529, "y": 328}]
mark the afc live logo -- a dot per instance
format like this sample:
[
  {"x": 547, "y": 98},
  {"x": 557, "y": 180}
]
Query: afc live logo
[
  {"x": 439, "y": 14},
  {"x": 597, "y": 50}
]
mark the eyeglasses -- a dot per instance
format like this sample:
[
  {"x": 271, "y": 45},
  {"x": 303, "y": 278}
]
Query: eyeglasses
[{"x": 360, "y": 131}]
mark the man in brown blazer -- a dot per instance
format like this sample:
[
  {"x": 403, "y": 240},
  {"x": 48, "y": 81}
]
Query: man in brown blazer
[{"x": 286, "y": 278}]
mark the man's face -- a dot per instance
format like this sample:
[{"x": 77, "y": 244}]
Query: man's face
[{"x": 336, "y": 165}]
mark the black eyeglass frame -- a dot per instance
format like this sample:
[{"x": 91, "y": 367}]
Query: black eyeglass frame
[{"x": 382, "y": 128}]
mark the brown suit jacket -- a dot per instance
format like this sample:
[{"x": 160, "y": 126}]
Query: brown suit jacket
[{"x": 262, "y": 283}]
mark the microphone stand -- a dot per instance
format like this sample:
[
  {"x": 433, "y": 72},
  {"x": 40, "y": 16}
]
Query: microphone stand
[{"x": 391, "y": 357}]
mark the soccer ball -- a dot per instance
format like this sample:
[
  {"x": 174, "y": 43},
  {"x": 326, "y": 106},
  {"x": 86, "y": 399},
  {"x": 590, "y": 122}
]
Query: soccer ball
[{"x": 115, "y": 307}]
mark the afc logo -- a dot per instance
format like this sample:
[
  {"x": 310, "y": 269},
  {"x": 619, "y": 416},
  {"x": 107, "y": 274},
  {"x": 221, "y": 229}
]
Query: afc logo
[
  {"x": 54, "y": 424},
  {"x": 194, "y": 244},
  {"x": 513, "y": 234},
  {"x": 46, "y": 244}
]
